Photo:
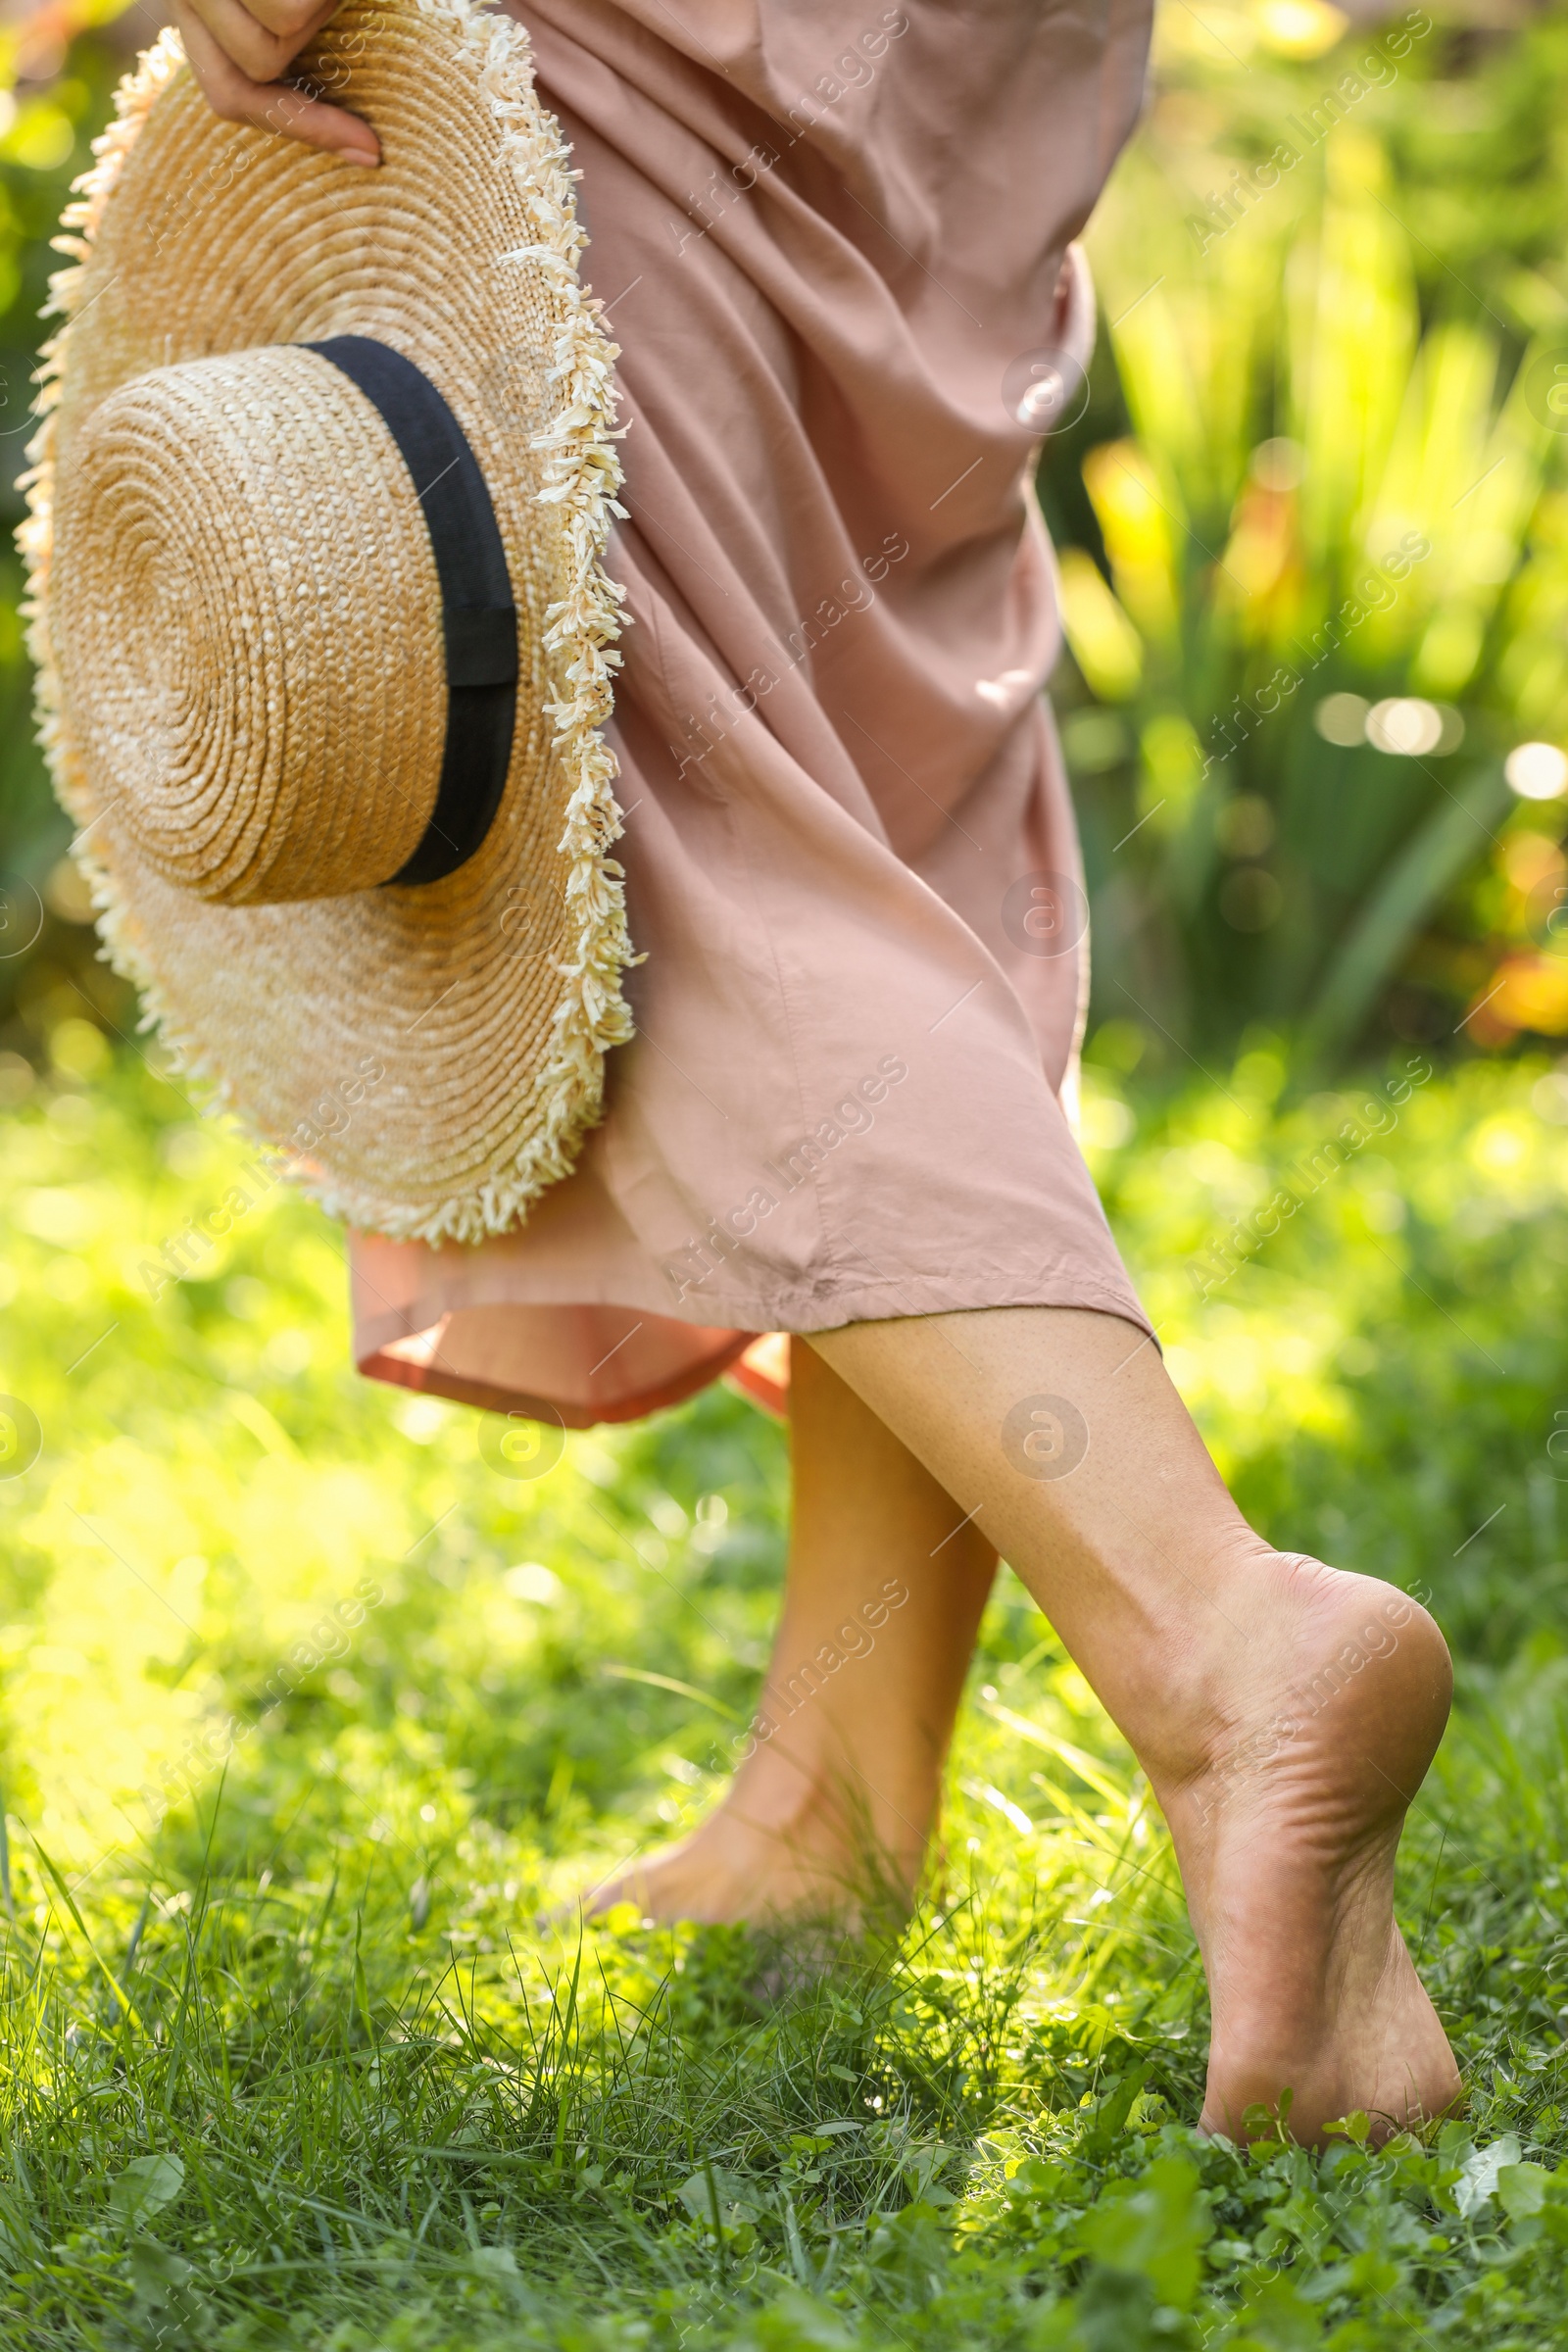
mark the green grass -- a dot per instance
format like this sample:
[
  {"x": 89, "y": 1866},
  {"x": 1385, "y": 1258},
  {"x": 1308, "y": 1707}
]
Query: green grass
[{"x": 311, "y": 1719}]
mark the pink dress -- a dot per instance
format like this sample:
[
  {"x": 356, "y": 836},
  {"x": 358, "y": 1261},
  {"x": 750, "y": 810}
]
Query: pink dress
[{"x": 829, "y": 244}]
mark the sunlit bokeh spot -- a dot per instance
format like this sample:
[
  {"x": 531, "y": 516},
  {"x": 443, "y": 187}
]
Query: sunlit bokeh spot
[
  {"x": 1405, "y": 725},
  {"x": 1536, "y": 771}
]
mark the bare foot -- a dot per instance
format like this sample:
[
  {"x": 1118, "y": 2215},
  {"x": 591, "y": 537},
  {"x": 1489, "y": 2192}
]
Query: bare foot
[{"x": 1286, "y": 1836}]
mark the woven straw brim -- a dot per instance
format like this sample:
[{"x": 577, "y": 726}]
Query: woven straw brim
[{"x": 433, "y": 1054}]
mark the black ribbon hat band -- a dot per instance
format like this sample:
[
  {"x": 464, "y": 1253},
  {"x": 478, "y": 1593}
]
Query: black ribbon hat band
[{"x": 478, "y": 617}]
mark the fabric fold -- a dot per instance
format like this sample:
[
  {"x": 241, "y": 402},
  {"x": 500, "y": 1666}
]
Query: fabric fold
[{"x": 830, "y": 249}]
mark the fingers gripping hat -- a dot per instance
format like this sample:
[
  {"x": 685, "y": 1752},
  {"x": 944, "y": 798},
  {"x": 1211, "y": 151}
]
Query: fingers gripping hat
[{"x": 322, "y": 634}]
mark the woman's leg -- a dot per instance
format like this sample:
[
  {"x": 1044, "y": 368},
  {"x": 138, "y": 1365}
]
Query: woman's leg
[
  {"x": 1285, "y": 1713},
  {"x": 882, "y": 1599}
]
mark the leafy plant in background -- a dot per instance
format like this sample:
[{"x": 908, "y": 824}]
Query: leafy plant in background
[
  {"x": 57, "y": 64},
  {"x": 1317, "y": 584}
]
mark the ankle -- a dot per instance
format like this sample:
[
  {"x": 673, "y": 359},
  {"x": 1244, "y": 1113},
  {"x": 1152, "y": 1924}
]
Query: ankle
[
  {"x": 1331, "y": 1657},
  {"x": 1295, "y": 1646},
  {"x": 822, "y": 1806}
]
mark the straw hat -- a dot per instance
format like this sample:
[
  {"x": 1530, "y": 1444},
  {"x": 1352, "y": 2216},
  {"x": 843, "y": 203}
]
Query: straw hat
[{"x": 321, "y": 632}]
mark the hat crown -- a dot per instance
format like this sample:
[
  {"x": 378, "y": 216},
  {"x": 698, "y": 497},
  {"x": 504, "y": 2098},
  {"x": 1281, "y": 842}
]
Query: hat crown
[{"x": 253, "y": 626}]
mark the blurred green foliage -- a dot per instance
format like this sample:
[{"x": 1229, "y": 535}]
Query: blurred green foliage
[
  {"x": 1320, "y": 472},
  {"x": 58, "y": 68}
]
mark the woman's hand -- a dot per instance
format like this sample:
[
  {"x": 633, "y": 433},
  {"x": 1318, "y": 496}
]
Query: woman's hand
[{"x": 239, "y": 50}]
